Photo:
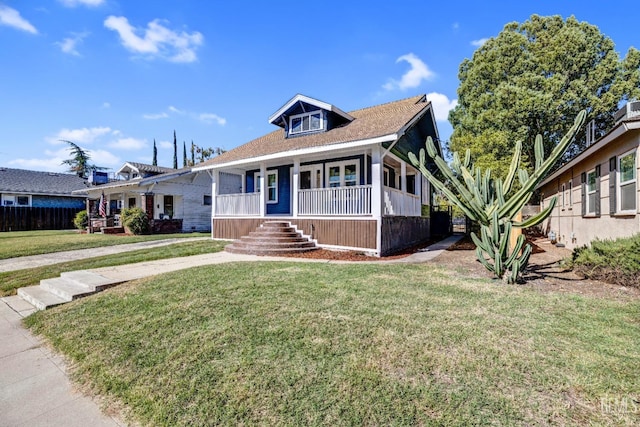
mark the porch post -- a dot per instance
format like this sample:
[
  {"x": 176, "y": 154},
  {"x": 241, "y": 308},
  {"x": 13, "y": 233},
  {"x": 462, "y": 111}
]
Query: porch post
[
  {"x": 263, "y": 188},
  {"x": 214, "y": 191},
  {"x": 295, "y": 186},
  {"x": 376, "y": 193},
  {"x": 403, "y": 176}
]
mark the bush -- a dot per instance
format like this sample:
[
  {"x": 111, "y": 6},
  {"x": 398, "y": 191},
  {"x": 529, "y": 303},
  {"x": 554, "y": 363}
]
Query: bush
[
  {"x": 611, "y": 261},
  {"x": 81, "y": 220},
  {"x": 136, "y": 220}
]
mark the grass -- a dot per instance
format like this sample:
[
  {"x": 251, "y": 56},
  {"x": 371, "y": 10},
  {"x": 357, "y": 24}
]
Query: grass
[
  {"x": 22, "y": 243},
  {"x": 10, "y": 281},
  {"x": 306, "y": 344}
]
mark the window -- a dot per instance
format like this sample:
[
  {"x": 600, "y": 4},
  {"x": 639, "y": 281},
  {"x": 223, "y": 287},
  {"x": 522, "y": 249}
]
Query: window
[
  {"x": 272, "y": 185},
  {"x": 563, "y": 193},
  {"x": 591, "y": 192},
  {"x": 22, "y": 200},
  {"x": 411, "y": 184},
  {"x": 570, "y": 192},
  {"x": 207, "y": 200},
  {"x": 132, "y": 202},
  {"x": 343, "y": 174},
  {"x": 168, "y": 206},
  {"x": 15, "y": 200},
  {"x": 626, "y": 190},
  {"x": 310, "y": 177},
  {"x": 307, "y": 122}
]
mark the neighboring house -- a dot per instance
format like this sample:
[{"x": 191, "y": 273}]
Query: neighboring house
[
  {"x": 25, "y": 188},
  {"x": 597, "y": 192},
  {"x": 344, "y": 179},
  {"x": 177, "y": 200}
]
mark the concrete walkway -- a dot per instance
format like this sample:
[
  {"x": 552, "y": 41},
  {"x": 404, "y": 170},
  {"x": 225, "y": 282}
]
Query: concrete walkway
[{"x": 34, "y": 387}]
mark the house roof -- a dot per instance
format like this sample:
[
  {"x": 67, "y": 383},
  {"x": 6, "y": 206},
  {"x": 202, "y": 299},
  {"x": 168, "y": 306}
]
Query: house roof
[
  {"x": 143, "y": 167},
  {"x": 41, "y": 183},
  {"x": 622, "y": 127},
  {"x": 140, "y": 182},
  {"x": 275, "y": 118},
  {"x": 372, "y": 123}
]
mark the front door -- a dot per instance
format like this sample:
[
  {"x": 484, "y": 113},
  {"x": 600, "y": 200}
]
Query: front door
[{"x": 310, "y": 177}]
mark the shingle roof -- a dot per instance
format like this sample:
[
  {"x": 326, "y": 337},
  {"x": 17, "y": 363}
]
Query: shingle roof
[
  {"x": 143, "y": 167},
  {"x": 35, "y": 182},
  {"x": 371, "y": 122}
]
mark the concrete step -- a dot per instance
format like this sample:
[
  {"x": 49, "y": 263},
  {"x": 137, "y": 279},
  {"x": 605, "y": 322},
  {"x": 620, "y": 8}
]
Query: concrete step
[
  {"x": 39, "y": 297},
  {"x": 261, "y": 238},
  {"x": 66, "y": 289},
  {"x": 90, "y": 279},
  {"x": 266, "y": 251},
  {"x": 271, "y": 244}
]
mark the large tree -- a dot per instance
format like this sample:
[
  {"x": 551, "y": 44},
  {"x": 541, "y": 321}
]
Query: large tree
[
  {"x": 533, "y": 78},
  {"x": 79, "y": 161}
]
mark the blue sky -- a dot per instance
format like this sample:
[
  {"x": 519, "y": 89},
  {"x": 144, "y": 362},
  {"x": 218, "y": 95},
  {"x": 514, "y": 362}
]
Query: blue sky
[{"x": 113, "y": 75}]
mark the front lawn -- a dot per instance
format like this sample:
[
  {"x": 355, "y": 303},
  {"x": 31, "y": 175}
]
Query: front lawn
[
  {"x": 310, "y": 344},
  {"x": 22, "y": 243},
  {"x": 10, "y": 281}
]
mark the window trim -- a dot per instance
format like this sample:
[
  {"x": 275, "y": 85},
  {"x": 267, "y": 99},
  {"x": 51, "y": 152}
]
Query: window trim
[
  {"x": 588, "y": 192},
  {"x": 302, "y": 115},
  {"x": 256, "y": 185},
  {"x": 620, "y": 184},
  {"x": 11, "y": 199},
  {"x": 341, "y": 164},
  {"x": 313, "y": 170}
]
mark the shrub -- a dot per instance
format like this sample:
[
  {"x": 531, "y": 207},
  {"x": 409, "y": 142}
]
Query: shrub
[
  {"x": 81, "y": 220},
  {"x": 136, "y": 220},
  {"x": 612, "y": 261}
]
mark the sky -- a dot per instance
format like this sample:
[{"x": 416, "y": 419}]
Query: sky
[{"x": 112, "y": 76}]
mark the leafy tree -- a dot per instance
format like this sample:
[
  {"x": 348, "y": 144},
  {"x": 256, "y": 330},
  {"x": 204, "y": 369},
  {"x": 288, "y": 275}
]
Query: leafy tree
[
  {"x": 175, "y": 151},
  {"x": 79, "y": 161},
  {"x": 155, "y": 153},
  {"x": 530, "y": 80},
  {"x": 184, "y": 154}
]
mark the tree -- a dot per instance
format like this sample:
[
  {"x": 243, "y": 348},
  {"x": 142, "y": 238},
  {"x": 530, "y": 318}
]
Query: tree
[
  {"x": 184, "y": 154},
  {"x": 530, "y": 80},
  {"x": 79, "y": 161},
  {"x": 193, "y": 153},
  {"x": 155, "y": 153},
  {"x": 175, "y": 151}
]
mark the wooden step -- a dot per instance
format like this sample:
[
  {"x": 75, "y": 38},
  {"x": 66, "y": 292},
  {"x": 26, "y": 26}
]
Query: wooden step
[{"x": 272, "y": 238}]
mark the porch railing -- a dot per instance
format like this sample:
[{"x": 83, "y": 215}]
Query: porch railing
[
  {"x": 354, "y": 200},
  {"x": 402, "y": 204},
  {"x": 244, "y": 204}
]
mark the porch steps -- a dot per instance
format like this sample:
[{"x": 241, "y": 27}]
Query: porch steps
[
  {"x": 68, "y": 287},
  {"x": 272, "y": 238}
]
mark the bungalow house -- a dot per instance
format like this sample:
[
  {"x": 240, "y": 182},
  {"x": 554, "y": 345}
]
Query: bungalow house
[
  {"x": 597, "y": 191},
  {"x": 342, "y": 179},
  {"x": 26, "y": 188},
  {"x": 176, "y": 200}
]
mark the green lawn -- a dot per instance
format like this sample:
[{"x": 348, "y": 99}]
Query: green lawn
[
  {"x": 10, "y": 281},
  {"x": 311, "y": 344},
  {"x": 22, "y": 243}
]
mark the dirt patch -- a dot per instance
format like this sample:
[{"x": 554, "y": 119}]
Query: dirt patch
[{"x": 545, "y": 272}]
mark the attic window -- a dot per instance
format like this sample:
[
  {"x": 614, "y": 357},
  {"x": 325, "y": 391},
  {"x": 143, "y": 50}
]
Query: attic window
[{"x": 307, "y": 122}]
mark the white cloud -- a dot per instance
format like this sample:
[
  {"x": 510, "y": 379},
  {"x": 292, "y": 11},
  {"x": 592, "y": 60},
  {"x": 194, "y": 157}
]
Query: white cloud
[
  {"x": 157, "y": 41},
  {"x": 53, "y": 160},
  {"x": 106, "y": 105},
  {"x": 418, "y": 72},
  {"x": 455, "y": 26},
  {"x": 441, "y": 105},
  {"x": 74, "y": 3},
  {"x": 479, "y": 42},
  {"x": 157, "y": 116},
  {"x": 166, "y": 144},
  {"x": 210, "y": 118},
  {"x": 175, "y": 110},
  {"x": 128, "y": 144},
  {"x": 69, "y": 44},
  {"x": 79, "y": 136},
  {"x": 11, "y": 18}
]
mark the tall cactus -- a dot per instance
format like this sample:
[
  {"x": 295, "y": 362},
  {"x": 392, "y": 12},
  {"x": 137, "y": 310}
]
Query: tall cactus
[{"x": 488, "y": 200}]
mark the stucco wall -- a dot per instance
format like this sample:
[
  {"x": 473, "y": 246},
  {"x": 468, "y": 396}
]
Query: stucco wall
[{"x": 567, "y": 222}]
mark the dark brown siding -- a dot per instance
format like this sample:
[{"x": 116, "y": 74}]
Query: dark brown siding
[
  {"x": 400, "y": 232},
  {"x": 342, "y": 232}
]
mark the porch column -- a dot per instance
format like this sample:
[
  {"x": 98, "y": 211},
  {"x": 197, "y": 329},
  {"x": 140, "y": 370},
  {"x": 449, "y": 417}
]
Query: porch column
[
  {"x": 295, "y": 186},
  {"x": 403, "y": 176},
  {"x": 376, "y": 193},
  {"x": 214, "y": 191},
  {"x": 263, "y": 189}
]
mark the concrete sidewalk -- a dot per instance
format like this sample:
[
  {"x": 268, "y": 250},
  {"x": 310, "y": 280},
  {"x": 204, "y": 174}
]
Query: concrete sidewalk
[
  {"x": 34, "y": 387},
  {"x": 21, "y": 263}
]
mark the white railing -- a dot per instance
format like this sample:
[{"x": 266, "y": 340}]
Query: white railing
[
  {"x": 401, "y": 204},
  {"x": 335, "y": 201},
  {"x": 244, "y": 204}
]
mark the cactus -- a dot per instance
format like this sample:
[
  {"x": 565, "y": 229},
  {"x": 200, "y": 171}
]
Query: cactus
[{"x": 488, "y": 200}]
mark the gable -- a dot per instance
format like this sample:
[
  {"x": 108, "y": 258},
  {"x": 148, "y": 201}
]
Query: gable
[{"x": 303, "y": 115}]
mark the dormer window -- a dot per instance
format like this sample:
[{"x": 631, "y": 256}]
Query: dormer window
[{"x": 307, "y": 122}]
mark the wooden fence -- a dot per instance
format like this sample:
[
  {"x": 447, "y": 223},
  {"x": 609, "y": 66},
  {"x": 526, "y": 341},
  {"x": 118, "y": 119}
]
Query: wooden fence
[{"x": 13, "y": 218}]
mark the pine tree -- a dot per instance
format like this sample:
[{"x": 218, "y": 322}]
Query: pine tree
[
  {"x": 193, "y": 153},
  {"x": 184, "y": 154}
]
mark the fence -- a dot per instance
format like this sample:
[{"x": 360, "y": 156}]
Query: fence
[{"x": 13, "y": 218}]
